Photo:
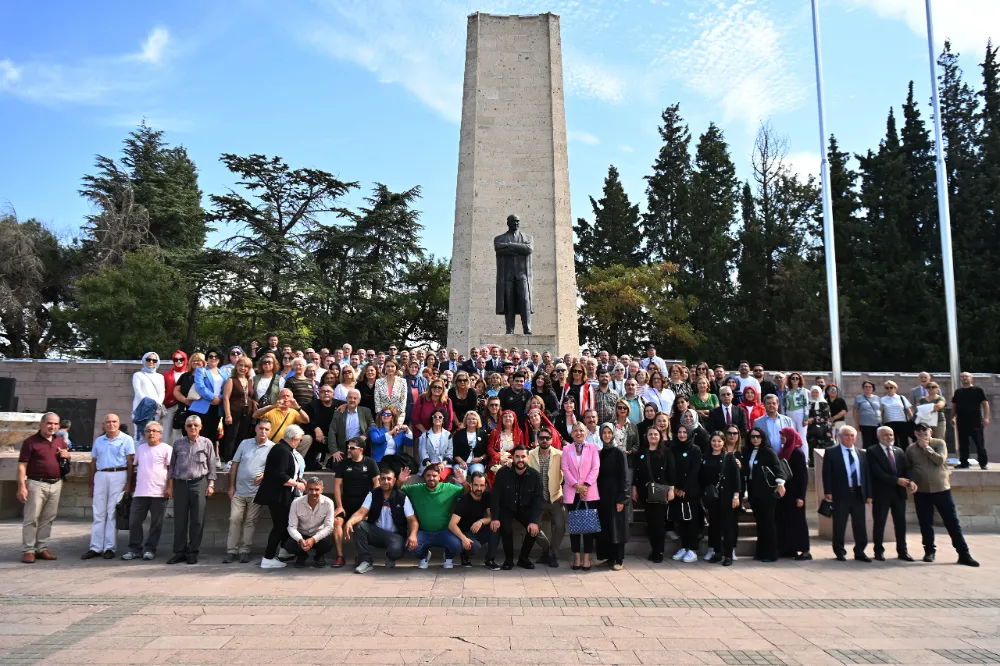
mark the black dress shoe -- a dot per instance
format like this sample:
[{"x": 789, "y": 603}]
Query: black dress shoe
[
  {"x": 880, "y": 557},
  {"x": 89, "y": 555},
  {"x": 109, "y": 554},
  {"x": 492, "y": 565},
  {"x": 526, "y": 564},
  {"x": 803, "y": 557},
  {"x": 544, "y": 559},
  {"x": 191, "y": 559},
  {"x": 177, "y": 558},
  {"x": 727, "y": 561},
  {"x": 861, "y": 557},
  {"x": 928, "y": 557},
  {"x": 577, "y": 567},
  {"x": 963, "y": 466},
  {"x": 229, "y": 558},
  {"x": 768, "y": 559},
  {"x": 967, "y": 561},
  {"x": 841, "y": 557},
  {"x": 657, "y": 558},
  {"x": 715, "y": 559},
  {"x": 319, "y": 561},
  {"x": 507, "y": 565},
  {"x": 553, "y": 561},
  {"x": 906, "y": 557}
]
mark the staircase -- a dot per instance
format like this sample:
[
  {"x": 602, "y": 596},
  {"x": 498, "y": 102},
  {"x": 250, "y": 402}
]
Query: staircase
[{"x": 746, "y": 540}]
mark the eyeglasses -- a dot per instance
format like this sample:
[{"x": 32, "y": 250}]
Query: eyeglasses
[
  {"x": 386, "y": 413},
  {"x": 236, "y": 353},
  {"x": 544, "y": 439},
  {"x": 437, "y": 417},
  {"x": 192, "y": 425},
  {"x": 286, "y": 358},
  {"x": 211, "y": 356},
  {"x": 622, "y": 408},
  {"x": 754, "y": 436},
  {"x": 178, "y": 359}
]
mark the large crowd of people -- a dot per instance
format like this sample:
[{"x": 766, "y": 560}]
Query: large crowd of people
[{"x": 449, "y": 452}]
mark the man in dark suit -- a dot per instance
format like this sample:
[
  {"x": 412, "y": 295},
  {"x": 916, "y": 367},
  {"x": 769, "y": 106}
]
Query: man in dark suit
[
  {"x": 727, "y": 414},
  {"x": 351, "y": 421},
  {"x": 469, "y": 365},
  {"x": 890, "y": 480},
  {"x": 846, "y": 483},
  {"x": 495, "y": 362}
]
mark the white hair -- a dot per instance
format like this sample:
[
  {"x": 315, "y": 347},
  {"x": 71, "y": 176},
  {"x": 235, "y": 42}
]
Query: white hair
[
  {"x": 194, "y": 418},
  {"x": 850, "y": 429},
  {"x": 293, "y": 432}
]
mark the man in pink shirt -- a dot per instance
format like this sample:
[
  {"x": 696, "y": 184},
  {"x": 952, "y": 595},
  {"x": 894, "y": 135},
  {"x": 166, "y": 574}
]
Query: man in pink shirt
[{"x": 149, "y": 494}]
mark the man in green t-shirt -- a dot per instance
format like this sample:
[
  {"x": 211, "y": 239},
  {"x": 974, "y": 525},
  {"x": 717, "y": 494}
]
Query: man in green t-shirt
[{"x": 432, "y": 502}]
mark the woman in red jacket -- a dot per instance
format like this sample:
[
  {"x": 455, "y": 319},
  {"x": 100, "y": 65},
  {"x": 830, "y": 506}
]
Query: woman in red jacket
[
  {"x": 433, "y": 399},
  {"x": 752, "y": 405}
]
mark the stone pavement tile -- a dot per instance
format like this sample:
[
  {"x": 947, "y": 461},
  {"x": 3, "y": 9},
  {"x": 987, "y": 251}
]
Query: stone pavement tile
[
  {"x": 451, "y": 656},
  {"x": 114, "y": 637},
  {"x": 188, "y": 642},
  {"x": 264, "y": 642},
  {"x": 913, "y": 643},
  {"x": 683, "y": 657},
  {"x": 618, "y": 657},
  {"x": 559, "y": 620},
  {"x": 782, "y": 638},
  {"x": 10, "y": 642},
  {"x": 747, "y": 643},
  {"x": 371, "y": 656},
  {"x": 402, "y": 643},
  {"x": 266, "y": 618},
  {"x": 682, "y": 643},
  {"x": 528, "y": 641},
  {"x": 536, "y": 657},
  {"x": 483, "y": 630},
  {"x": 809, "y": 657},
  {"x": 645, "y": 644},
  {"x": 170, "y": 609},
  {"x": 30, "y": 629}
]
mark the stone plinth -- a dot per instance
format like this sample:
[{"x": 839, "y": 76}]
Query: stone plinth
[
  {"x": 15, "y": 427},
  {"x": 512, "y": 160},
  {"x": 532, "y": 342}
]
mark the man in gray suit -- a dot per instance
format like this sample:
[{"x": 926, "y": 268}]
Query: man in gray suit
[
  {"x": 350, "y": 421},
  {"x": 920, "y": 390}
]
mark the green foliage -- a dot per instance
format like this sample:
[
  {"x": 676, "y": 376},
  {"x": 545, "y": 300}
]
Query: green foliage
[
  {"x": 667, "y": 191},
  {"x": 625, "y": 305},
  {"x": 615, "y": 234},
  {"x": 125, "y": 311}
]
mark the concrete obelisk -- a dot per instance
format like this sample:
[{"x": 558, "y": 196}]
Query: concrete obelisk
[{"x": 512, "y": 160}]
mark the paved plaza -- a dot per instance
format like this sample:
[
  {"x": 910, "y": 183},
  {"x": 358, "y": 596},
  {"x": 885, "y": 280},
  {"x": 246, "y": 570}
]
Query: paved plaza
[{"x": 820, "y": 612}]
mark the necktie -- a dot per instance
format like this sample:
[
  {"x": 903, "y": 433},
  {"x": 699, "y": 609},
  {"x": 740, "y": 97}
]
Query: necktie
[
  {"x": 729, "y": 417},
  {"x": 855, "y": 482},
  {"x": 892, "y": 460}
]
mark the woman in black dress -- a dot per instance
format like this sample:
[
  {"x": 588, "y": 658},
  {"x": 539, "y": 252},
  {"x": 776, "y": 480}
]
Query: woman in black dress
[
  {"x": 764, "y": 481},
  {"x": 464, "y": 399},
  {"x": 366, "y": 386},
  {"x": 721, "y": 472},
  {"x": 648, "y": 421},
  {"x": 685, "y": 510},
  {"x": 654, "y": 464},
  {"x": 276, "y": 492},
  {"x": 790, "y": 512},
  {"x": 567, "y": 418},
  {"x": 612, "y": 508}
]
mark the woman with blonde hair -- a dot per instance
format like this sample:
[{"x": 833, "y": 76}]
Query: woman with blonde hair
[
  {"x": 390, "y": 390},
  {"x": 347, "y": 382},
  {"x": 432, "y": 400},
  {"x": 238, "y": 406}
]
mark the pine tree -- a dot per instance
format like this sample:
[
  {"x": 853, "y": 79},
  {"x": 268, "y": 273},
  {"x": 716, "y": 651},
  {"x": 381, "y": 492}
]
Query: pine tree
[
  {"x": 667, "y": 190},
  {"x": 708, "y": 248},
  {"x": 855, "y": 253},
  {"x": 614, "y": 236}
]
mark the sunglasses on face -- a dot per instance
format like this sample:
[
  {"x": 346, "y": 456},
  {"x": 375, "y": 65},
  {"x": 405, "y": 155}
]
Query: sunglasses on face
[
  {"x": 267, "y": 362},
  {"x": 152, "y": 360},
  {"x": 437, "y": 388},
  {"x": 236, "y": 353},
  {"x": 386, "y": 413},
  {"x": 754, "y": 436},
  {"x": 352, "y": 447},
  {"x": 192, "y": 425},
  {"x": 544, "y": 439},
  {"x": 438, "y": 417},
  {"x": 622, "y": 409},
  {"x": 212, "y": 356},
  {"x": 461, "y": 380}
]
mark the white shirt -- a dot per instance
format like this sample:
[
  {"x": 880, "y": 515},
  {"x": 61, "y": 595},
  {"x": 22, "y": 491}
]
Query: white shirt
[
  {"x": 147, "y": 385},
  {"x": 663, "y": 399},
  {"x": 385, "y": 516},
  {"x": 849, "y": 454},
  {"x": 659, "y": 362},
  {"x": 750, "y": 381},
  {"x": 304, "y": 519}
]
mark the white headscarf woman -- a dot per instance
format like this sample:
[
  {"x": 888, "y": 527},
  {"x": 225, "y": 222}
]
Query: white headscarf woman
[{"x": 147, "y": 382}]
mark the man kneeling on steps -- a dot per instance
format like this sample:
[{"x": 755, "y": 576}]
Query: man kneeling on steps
[{"x": 310, "y": 525}]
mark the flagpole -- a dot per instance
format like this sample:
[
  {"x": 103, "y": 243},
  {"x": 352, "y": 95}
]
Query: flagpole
[
  {"x": 944, "y": 215},
  {"x": 829, "y": 244}
]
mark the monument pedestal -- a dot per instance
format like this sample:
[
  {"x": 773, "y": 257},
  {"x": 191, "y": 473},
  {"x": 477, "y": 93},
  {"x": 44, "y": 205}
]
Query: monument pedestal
[{"x": 532, "y": 342}]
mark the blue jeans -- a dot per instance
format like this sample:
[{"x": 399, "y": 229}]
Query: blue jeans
[{"x": 441, "y": 539}]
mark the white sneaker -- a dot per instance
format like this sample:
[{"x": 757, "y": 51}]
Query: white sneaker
[
  {"x": 679, "y": 554},
  {"x": 672, "y": 535},
  {"x": 709, "y": 555},
  {"x": 425, "y": 561},
  {"x": 148, "y": 555},
  {"x": 227, "y": 467},
  {"x": 690, "y": 556},
  {"x": 448, "y": 564},
  {"x": 271, "y": 564},
  {"x": 364, "y": 568},
  {"x": 218, "y": 464},
  {"x": 734, "y": 555},
  {"x": 129, "y": 555},
  {"x": 389, "y": 563}
]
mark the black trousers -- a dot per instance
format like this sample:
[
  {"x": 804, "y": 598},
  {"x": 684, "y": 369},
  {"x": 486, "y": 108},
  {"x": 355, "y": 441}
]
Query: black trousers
[
  {"x": 721, "y": 526},
  {"x": 189, "y": 515},
  {"x": 767, "y": 531},
  {"x": 506, "y": 534},
  {"x": 319, "y": 549},
  {"x": 853, "y": 507},
  {"x": 279, "y": 528},
  {"x": 869, "y": 436},
  {"x": 967, "y": 435},
  {"x": 234, "y": 433},
  {"x": 588, "y": 543},
  {"x": 925, "y": 503},
  {"x": 688, "y": 530},
  {"x": 900, "y": 431},
  {"x": 656, "y": 525},
  {"x": 881, "y": 508}
]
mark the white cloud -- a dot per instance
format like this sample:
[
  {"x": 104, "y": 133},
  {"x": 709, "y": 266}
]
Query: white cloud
[
  {"x": 625, "y": 148},
  {"x": 582, "y": 137},
  {"x": 804, "y": 163},
  {"x": 154, "y": 46},
  {"x": 967, "y": 23},
  {"x": 586, "y": 77},
  {"x": 88, "y": 81},
  {"x": 737, "y": 61}
]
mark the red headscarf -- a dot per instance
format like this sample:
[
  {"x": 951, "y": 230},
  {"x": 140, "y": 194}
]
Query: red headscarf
[
  {"x": 556, "y": 439},
  {"x": 493, "y": 449},
  {"x": 754, "y": 409},
  {"x": 793, "y": 440}
]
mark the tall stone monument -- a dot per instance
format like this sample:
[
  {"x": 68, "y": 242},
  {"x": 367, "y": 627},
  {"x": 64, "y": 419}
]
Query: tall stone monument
[{"x": 512, "y": 162}]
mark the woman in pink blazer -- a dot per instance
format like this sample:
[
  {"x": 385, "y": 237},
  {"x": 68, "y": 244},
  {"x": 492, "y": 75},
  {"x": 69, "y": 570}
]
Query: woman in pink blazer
[{"x": 581, "y": 462}]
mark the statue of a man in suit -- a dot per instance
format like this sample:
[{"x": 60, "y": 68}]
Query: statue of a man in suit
[{"x": 514, "y": 275}]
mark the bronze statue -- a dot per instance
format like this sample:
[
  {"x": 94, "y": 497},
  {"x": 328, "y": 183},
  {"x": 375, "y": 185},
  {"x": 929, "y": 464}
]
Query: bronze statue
[{"x": 514, "y": 275}]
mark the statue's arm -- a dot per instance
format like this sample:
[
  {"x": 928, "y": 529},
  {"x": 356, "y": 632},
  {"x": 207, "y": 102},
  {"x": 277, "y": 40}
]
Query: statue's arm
[{"x": 523, "y": 248}]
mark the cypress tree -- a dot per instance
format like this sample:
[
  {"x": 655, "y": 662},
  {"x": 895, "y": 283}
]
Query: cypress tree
[
  {"x": 614, "y": 236},
  {"x": 667, "y": 190}
]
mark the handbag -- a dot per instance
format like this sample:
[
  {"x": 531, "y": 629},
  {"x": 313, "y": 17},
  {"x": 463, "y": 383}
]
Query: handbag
[
  {"x": 712, "y": 492},
  {"x": 656, "y": 493},
  {"x": 583, "y": 521},
  {"x": 825, "y": 508},
  {"x": 180, "y": 415},
  {"x": 123, "y": 510}
]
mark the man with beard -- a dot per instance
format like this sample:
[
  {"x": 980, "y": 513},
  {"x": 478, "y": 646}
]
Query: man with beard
[
  {"x": 470, "y": 520},
  {"x": 432, "y": 502},
  {"x": 516, "y": 496},
  {"x": 547, "y": 461}
]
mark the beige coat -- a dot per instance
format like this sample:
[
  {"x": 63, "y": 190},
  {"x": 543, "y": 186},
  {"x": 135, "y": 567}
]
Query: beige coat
[{"x": 555, "y": 471}]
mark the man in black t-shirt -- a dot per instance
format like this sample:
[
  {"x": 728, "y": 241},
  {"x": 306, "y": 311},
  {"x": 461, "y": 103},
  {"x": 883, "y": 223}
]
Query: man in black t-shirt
[
  {"x": 357, "y": 474},
  {"x": 515, "y": 397},
  {"x": 971, "y": 416},
  {"x": 320, "y": 413},
  {"x": 470, "y": 519}
]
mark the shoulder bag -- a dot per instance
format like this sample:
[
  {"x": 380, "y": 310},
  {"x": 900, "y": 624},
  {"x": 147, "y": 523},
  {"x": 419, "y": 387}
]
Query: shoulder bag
[
  {"x": 656, "y": 493},
  {"x": 713, "y": 491}
]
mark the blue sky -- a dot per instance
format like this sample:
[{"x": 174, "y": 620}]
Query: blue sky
[{"x": 371, "y": 90}]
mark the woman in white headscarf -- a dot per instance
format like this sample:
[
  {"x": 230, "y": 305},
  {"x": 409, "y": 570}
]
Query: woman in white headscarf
[
  {"x": 696, "y": 432},
  {"x": 148, "y": 392},
  {"x": 818, "y": 423}
]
